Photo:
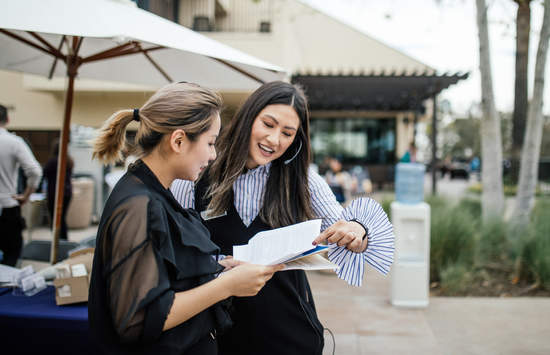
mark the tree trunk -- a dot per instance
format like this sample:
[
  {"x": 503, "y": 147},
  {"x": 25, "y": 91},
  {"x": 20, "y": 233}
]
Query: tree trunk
[
  {"x": 529, "y": 165},
  {"x": 492, "y": 199},
  {"x": 523, "y": 27}
]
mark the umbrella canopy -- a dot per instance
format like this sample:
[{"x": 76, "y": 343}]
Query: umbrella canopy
[
  {"x": 110, "y": 28},
  {"x": 108, "y": 40}
]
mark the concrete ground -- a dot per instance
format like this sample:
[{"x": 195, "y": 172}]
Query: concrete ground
[{"x": 364, "y": 322}]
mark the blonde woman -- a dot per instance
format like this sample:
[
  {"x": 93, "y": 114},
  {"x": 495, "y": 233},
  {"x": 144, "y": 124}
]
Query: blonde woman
[{"x": 154, "y": 288}]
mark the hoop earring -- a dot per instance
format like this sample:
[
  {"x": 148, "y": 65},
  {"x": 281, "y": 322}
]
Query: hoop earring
[{"x": 295, "y": 155}]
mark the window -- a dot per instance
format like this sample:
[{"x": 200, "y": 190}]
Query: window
[{"x": 354, "y": 140}]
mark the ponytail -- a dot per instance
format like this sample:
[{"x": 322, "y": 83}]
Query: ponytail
[
  {"x": 185, "y": 106},
  {"x": 112, "y": 137}
]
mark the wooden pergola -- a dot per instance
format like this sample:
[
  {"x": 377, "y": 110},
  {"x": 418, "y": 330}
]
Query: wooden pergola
[{"x": 386, "y": 91}]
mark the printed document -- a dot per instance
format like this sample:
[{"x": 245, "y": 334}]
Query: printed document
[{"x": 290, "y": 245}]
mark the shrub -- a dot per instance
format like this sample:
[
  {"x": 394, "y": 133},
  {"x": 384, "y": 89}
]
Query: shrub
[
  {"x": 452, "y": 237},
  {"x": 456, "y": 279},
  {"x": 509, "y": 190},
  {"x": 386, "y": 206},
  {"x": 536, "y": 251},
  {"x": 499, "y": 249},
  {"x": 437, "y": 202},
  {"x": 473, "y": 206},
  {"x": 492, "y": 243}
]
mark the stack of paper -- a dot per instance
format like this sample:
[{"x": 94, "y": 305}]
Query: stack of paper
[{"x": 291, "y": 245}]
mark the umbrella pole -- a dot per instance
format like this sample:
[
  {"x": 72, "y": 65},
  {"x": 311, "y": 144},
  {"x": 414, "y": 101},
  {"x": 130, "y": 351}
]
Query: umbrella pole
[{"x": 62, "y": 160}]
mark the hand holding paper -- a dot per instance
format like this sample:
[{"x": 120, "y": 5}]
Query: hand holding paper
[{"x": 291, "y": 245}]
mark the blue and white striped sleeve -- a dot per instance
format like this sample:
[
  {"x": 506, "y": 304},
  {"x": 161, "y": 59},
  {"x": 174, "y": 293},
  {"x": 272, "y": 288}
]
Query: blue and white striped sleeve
[
  {"x": 184, "y": 192},
  {"x": 380, "y": 245},
  {"x": 351, "y": 266}
]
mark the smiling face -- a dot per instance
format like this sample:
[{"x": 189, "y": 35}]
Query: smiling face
[
  {"x": 273, "y": 131},
  {"x": 196, "y": 155}
]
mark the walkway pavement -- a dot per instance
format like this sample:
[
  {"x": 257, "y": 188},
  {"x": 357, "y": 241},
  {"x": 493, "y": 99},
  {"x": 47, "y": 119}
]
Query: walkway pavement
[{"x": 364, "y": 322}]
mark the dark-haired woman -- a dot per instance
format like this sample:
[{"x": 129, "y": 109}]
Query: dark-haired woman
[
  {"x": 261, "y": 181},
  {"x": 153, "y": 287}
]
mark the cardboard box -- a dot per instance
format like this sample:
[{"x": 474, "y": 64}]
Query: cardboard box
[{"x": 72, "y": 289}]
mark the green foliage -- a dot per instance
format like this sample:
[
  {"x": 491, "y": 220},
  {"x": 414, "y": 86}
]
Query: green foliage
[
  {"x": 472, "y": 205},
  {"x": 463, "y": 249},
  {"x": 535, "y": 256},
  {"x": 452, "y": 236},
  {"x": 456, "y": 278},
  {"x": 386, "y": 206},
  {"x": 492, "y": 243},
  {"x": 437, "y": 202},
  {"x": 461, "y": 135},
  {"x": 509, "y": 190}
]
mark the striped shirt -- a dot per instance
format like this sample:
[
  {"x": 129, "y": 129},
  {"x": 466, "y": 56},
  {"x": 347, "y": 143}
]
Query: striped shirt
[{"x": 249, "y": 191}]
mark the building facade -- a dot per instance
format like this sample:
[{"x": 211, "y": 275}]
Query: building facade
[{"x": 366, "y": 98}]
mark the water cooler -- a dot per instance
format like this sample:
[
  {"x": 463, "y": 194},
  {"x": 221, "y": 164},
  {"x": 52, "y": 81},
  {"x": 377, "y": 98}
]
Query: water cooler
[{"x": 410, "y": 217}]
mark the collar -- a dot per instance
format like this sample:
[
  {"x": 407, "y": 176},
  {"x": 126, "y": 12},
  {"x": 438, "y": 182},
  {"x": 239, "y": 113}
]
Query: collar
[
  {"x": 3, "y": 130},
  {"x": 259, "y": 170},
  {"x": 145, "y": 174}
]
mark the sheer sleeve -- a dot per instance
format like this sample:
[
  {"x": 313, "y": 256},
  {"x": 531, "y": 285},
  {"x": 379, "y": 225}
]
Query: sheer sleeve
[{"x": 137, "y": 283}]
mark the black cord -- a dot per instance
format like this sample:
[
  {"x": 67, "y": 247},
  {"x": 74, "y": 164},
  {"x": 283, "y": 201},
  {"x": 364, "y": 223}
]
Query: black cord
[{"x": 333, "y": 341}]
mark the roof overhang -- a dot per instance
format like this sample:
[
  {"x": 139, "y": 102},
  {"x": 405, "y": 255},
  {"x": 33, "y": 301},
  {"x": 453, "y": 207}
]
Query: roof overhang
[{"x": 375, "y": 91}]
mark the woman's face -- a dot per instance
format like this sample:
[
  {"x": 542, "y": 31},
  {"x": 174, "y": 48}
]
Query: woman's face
[
  {"x": 198, "y": 154},
  {"x": 273, "y": 131}
]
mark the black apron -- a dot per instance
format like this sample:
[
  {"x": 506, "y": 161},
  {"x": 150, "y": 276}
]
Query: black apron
[{"x": 281, "y": 318}]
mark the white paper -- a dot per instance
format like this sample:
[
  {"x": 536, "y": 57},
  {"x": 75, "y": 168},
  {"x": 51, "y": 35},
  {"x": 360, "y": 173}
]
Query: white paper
[
  {"x": 7, "y": 273},
  {"x": 279, "y": 245},
  {"x": 78, "y": 270},
  {"x": 310, "y": 262}
]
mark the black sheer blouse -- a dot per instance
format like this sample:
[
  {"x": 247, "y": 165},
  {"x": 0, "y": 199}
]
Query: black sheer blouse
[{"x": 148, "y": 248}]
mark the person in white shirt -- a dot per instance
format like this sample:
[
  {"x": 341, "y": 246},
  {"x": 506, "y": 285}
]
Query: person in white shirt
[{"x": 14, "y": 153}]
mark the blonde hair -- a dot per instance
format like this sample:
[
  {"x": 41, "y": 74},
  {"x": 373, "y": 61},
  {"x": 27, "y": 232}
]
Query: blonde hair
[{"x": 185, "y": 106}]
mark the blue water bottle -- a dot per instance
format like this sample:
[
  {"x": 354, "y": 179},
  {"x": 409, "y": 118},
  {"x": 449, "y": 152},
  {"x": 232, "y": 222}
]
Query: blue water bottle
[{"x": 409, "y": 183}]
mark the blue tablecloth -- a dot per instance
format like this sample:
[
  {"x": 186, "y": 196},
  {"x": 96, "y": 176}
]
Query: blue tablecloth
[{"x": 34, "y": 325}]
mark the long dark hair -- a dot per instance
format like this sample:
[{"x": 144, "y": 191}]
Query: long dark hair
[{"x": 287, "y": 198}]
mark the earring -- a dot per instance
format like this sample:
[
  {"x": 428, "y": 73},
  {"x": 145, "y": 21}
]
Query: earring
[{"x": 295, "y": 155}]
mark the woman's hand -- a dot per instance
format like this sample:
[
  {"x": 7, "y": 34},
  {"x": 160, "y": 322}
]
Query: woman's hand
[
  {"x": 229, "y": 263},
  {"x": 344, "y": 233},
  {"x": 248, "y": 279},
  {"x": 242, "y": 280}
]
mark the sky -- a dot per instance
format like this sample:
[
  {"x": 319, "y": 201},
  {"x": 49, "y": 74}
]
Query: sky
[{"x": 443, "y": 34}]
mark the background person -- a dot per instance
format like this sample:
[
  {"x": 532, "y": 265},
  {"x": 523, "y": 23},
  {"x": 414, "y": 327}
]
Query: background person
[
  {"x": 340, "y": 181},
  {"x": 14, "y": 153},
  {"x": 153, "y": 286},
  {"x": 410, "y": 155},
  {"x": 50, "y": 177},
  {"x": 259, "y": 182},
  {"x": 362, "y": 184}
]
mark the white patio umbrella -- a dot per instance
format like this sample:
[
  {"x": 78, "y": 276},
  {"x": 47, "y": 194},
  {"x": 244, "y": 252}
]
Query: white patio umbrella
[{"x": 109, "y": 40}]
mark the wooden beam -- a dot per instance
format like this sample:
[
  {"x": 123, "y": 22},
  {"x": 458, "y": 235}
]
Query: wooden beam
[{"x": 34, "y": 45}]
